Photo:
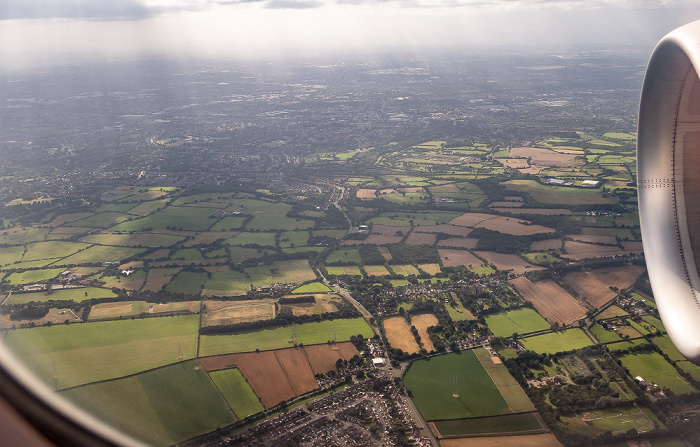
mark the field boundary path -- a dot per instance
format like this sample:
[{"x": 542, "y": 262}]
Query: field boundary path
[{"x": 6, "y": 298}]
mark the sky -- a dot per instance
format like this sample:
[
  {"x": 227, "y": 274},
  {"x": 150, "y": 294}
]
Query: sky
[{"x": 44, "y": 30}]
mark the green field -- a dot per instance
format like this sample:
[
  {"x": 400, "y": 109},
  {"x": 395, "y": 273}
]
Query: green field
[
  {"x": 346, "y": 256},
  {"x": 508, "y": 423},
  {"x": 667, "y": 346},
  {"x": 100, "y": 253},
  {"x": 277, "y": 338},
  {"x": 458, "y": 313},
  {"x": 9, "y": 255},
  {"x": 189, "y": 283},
  {"x": 89, "y": 352},
  {"x": 611, "y": 312},
  {"x": 314, "y": 287},
  {"x": 604, "y": 335},
  {"x": 246, "y": 238},
  {"x": 235, "y": 389},
  {"x": 522, "y": 321},
  {"x": 432, "y": 383},
  {"x": 175, "y": 217},
  {"x": 161, "y": 407},
  {"x": 652, "y": 367},
  {"x": 146, "y": 208},
  {"x": 567, "y": 340},
  {"x": 278, "y": 222},
  {"x": 51, "y": 249},
  {"x": 100, "y": 220},
  {"x": 557, "y": 195},
  {"x": 511, "y": 391},
  {"x": 128, "y": 308},
  {"x": 140, "y": 239},
  {"x": 78, "y": 294},
  {"x": 32, "y": 276}
]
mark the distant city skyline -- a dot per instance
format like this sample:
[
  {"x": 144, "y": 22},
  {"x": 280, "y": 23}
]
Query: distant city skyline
[{"x": 42, "y": 30}]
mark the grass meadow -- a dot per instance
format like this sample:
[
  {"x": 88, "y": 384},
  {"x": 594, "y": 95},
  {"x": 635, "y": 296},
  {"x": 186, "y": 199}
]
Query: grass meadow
[
  {"x": 90, "y": 352},
  {"x": 522, "y": 321},
  {"x": 237, "y": 392},
  {"x": 562, "y": 341},
  {"x": 278, "y": 338}
]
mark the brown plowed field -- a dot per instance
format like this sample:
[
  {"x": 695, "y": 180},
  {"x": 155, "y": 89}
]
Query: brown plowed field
[
  {"x": 422, "y": 323},
  {"x": 385, "y": 253},
  {"x": 322, "y": 358},
  {"x": 366, "y": 194},
  {"x": 296, "y": 367},
  {"x": 458, "y": 242},
  {"x": 551, "y": 301},
  {"x": 452, "y": 230},
  {"x": 265, "y": 375},
  {"x": 453, "y": 258},
  {"x": 633, "y": 246},
  {"x": 546, "y": 157},
  {"x": 157, "y": 278},
  {"x": 538, "y": 211},
  {"x": 510, "y": 225},
  {"x": 508, "y": 262},
  {"x": 399, "y": 335},
  {"x": 541, "y": 440},
  {"x": 594, "y": 286},
  {"x": 547, "y": 244},
  {"x": 420, "y": 238}
]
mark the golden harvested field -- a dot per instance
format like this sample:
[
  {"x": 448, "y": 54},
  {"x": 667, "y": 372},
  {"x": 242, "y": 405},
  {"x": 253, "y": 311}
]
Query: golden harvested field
[
  {"x": 233, "y": 312},
  {"x": 538, "y": 211},
  {"x": 593, "y": 239},
  {"x": 55, "y": 316},
  {"x": 514, "y": 163},
  {"x": 109, "y": 309},
  {"x": 508, "y": 262},
  {"x": 399, "y": 335},
  {"x": 422, "y": 323},
  {"x": 430, "y": 269},
  {"x": 385, "y": 252},
  {"x": 324, "y": 303},
  {"x": 594, "y": 286},
  {"x": 366, "y": 194},
  {"x": 510, "y": 225},
  {"x": 322, "y": 358},
  {"x": 459, "y": 242},
  {"x": 452, "y": 230},
  {"x": 551, "y": 301},
  {"x": 375, "y": 239},
  {"x": 546, "y": 157},
  {"x": 452, "y": 258},
  {"x": 376, "y": 270},
  {"x": 547, "y": 244},
  {"x": 420, "y": 238},
  {"x": 297, "y": 368}
]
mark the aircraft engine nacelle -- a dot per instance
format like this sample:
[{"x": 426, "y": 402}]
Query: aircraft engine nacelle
[{"x": 668, "y": 170}]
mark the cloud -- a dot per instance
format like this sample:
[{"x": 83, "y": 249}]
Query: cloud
[
  {"x": 74, "y": 9},
  {"x": 293, "y": 4}
]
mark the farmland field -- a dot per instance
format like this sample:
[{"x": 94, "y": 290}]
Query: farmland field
[
  {"x": 432, "y": 383},
  {"x": 501, "y": 224},
  {"x": 234, "y": 312},
  {"x": 540, "y": 440},
  {"x": 422, "y": 323},
  {"x": 567, "y": 340},
  {"x": 521, "y": 321},
  {"x": 237, "y": 392},
  {"x": 453, "y": 258},
  {"x": 506, "y": 262},
  {"x": 84, "y": 353},
  {"x": 77, "y": 294},
  {"x": 398, "y": 334},
  {"x": 511, "y": 391},
  {"x": 511, "y": 423},
  {"x": 551, "y": 301},
  {"x": 594, "y": 285},
  {"x": 30, "y": 276},
  {"x": 100, "y": 253},
  {"x": 51, "y": 250},
  {"x": 277, "y": 338},
  {"x": 557, "y": 195},
  {"x": 314, "y": 287}
]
